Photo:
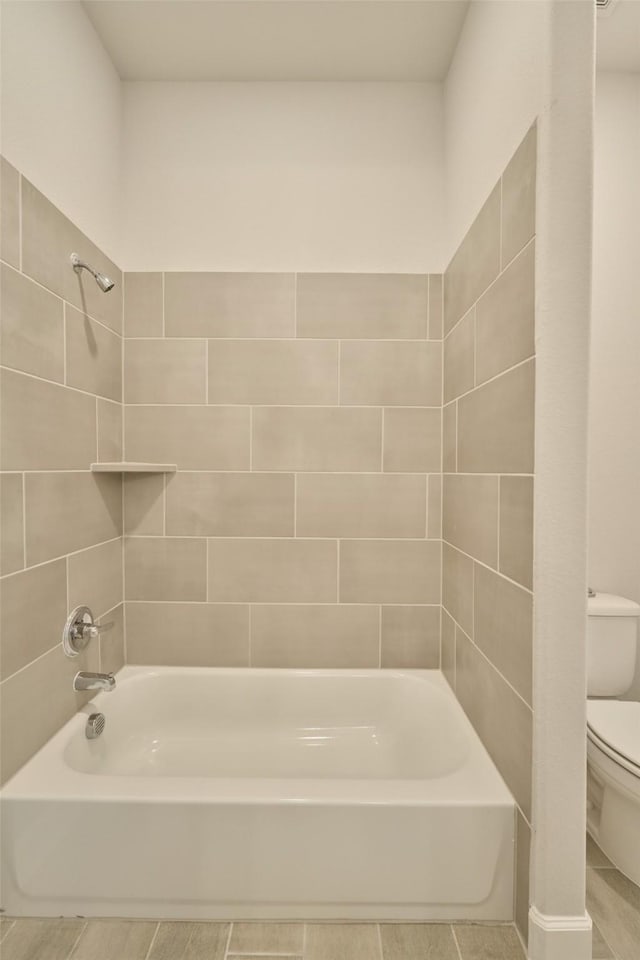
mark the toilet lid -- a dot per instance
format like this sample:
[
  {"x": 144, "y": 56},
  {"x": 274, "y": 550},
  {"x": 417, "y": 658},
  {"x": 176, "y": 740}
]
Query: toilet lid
[{"x": 617, "y": 724}]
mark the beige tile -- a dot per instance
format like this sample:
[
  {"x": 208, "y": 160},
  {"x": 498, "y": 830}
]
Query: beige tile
[
  {"x": 182, "y": 940},
  {"x": 470, "y": 515},
  {"x": 45, "y": 426},
  {"x": 95, "y": 577},
  {"x": 344, "y": 941},
  {"x": 516, "y": 529},
  {"x": 94, "y": 356},
  {"x": 434, "y": 506},
  {"x": 11, "y": 523},
  {"x": 230, "y": 505},
  {"x": 70, "y": 511},
  {"x": 449, "y": 437},
  {"x": 503, "y": 627},
  {"x": 360, "y": 505},
  {"x": 115, "y": 940},
  {"x": 436, "y": 281},
  {"x": 392, "y": 373},
  {"x": 360, "y": 306},
  {"x": 459, "y": 358},
  {"x": 313, "y": 636},
  {"x": 261, "y": 956},
  {"x": 448, "y": 649},
  {"x": 273, "y": 372},
  {"x": 457, "y": 586},
  {"x": 390, "y": 571},
  {"x": 188, "y": 634},
  {"x": 33, "y": 610},
  {"x": 109, "y": 431},
  {"x": 229, "y": 305},
  {"x": 501, "y": 719},
  {"x": 143, "y": 306},
  {"x": 48, "y": 680},
  {"x": 112, "y": 656},
  {"x": 273, "y": 571},
  {"x": 595, "y": 856},
  {"x": 523, "y": 846},
  {"x": 144, "y": 504},
  {"x": 614, "y": 903},
  {"x": 519, "y": 198},
  {"x": 41, "y": 939},
  {"x": 195, "y": 438},
  {"x": 5, "y": 925},
  {"x": 165, "y": 568},
  {"x": 496, "y": 424},
  {"x": 418, "y": 941},
  {"x": 31, "y": 327},
  {"x": 505, "y": 319},
  {"x": 412, "y": 439},
  {"x": 327, "y": 439},
  {"x": 9, "y": 214},
  {"x": 488, "y": 942},
  {"x": 475, "y": 264},
  {"x": 267, "y": 938},
  {"x": 411, "y": 637},
  {"x": 165, "y": 371},
  {"x": 48, "y": 239}
]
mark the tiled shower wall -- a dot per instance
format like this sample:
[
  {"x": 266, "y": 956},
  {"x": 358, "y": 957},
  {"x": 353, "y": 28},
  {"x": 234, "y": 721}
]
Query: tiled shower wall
[
  {"x": 304, "y": 414},
  {"x": 60, "y": 382},
  {"x": 488, "y": 442}
]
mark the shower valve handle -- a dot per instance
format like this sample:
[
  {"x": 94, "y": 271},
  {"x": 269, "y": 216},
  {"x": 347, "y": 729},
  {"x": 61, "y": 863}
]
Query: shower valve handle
[{"x": 79, "y": 629}]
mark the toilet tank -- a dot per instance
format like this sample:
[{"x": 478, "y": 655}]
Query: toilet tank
[{"x": 612, "y": 631}]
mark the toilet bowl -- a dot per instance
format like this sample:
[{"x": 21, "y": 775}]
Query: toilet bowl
[{"x": 613, "y": 732}]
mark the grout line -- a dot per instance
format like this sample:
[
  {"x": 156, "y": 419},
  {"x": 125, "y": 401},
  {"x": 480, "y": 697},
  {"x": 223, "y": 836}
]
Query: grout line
[
  {"x": 278, "y": 406},
  {"x": 304, "y": 941},
  {"x": 86, "y": 393},
  {"x": 228, "y": 944},
  {"x": 487, "y": 288},
  {"x": 481, "y": 563},
  {"x": 62, "y": 556},
  {"x": 153, "y": 940},
  {"x": 77, "y": 940},
  {"x": 455, "y": 940},
  {"x": 379, "y": 931}
]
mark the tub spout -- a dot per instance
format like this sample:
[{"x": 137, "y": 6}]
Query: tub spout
[{"x": 94, "y": 681}]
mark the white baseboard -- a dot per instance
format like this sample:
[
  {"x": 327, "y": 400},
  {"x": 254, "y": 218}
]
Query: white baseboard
[{"x": 559, "y": 938}]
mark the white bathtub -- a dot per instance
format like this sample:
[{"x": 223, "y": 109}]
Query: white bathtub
[{"x": 222, "y": 794}]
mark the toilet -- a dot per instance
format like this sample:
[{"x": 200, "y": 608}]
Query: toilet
[{"x": 613, "y": 731}]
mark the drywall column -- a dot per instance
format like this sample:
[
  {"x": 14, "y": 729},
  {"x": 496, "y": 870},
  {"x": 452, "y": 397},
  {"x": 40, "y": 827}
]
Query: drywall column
[{"x": 559, "y": 927}]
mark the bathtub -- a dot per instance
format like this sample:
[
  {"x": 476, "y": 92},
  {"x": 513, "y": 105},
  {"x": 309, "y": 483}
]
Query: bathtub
[{"x": 273, "y": 794}]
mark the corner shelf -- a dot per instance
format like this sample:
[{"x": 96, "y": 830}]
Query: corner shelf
[{"x": 125, "y": 466}]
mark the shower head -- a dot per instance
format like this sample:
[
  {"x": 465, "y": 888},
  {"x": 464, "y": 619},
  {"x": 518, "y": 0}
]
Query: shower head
[{"x": 103, "y": 282}]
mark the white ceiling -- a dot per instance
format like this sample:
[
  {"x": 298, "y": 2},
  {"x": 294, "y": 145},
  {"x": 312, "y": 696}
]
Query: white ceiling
[
  {"x": 618, "y": 37},
  {"x": 279, "y": 39}
]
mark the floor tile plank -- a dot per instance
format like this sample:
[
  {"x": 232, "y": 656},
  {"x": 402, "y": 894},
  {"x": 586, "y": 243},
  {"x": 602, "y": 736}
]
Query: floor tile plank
[
  {"x": 478, "y": 942},
  {"x": 184, "y": 940},
  {"x": 418, "y": 941},
  {"x": 343, "y": 941},
  {"x": 283, "y": 938},
  {"x": 614, "y": 903},
  {"x": 29, "y": 939},
  {"x": 115, "y": 940}
]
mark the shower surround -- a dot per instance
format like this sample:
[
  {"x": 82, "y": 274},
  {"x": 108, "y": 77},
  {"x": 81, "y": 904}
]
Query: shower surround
[
  {"x": 302, "y": 528},
  {"x": 347, "y": 445}
]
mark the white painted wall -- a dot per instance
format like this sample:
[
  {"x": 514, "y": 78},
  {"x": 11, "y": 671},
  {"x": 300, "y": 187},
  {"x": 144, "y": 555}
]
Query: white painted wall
[
  {"x": 61, "y": 113},
  {"x": 493, "y": 93},
  {"x": 515, "y": 62},
  {"x": 283, "y": 176},
  {"x": 614, "y": 433}
]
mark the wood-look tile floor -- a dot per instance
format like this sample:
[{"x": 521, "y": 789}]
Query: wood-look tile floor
[
  {"x": 30, "y": 939},
  {"x": 614, "y": 904}
]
